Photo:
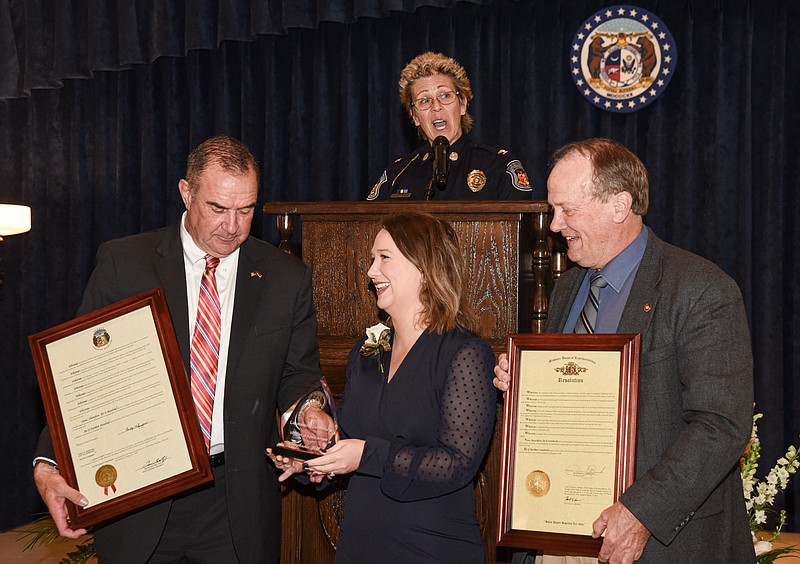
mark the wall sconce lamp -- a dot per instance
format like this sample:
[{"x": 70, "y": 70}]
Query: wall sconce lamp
[{"x": 14, "y": 219}]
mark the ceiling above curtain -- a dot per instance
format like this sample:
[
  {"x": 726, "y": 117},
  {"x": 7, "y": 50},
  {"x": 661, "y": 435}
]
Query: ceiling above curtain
[{"x": 43, "y": 42}]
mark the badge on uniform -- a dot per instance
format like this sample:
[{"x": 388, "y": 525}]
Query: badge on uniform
[
  {"x": 519, "y": 178},
  {"x": 476, "y": 180}
]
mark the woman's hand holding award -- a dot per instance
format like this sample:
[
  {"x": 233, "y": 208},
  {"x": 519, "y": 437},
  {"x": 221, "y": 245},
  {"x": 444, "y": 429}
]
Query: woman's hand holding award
[{"x": 310, "y": 427}]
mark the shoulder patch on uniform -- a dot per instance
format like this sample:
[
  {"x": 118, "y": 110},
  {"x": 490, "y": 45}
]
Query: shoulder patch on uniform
[
  {"x": 519, "y": 178},
  {"x": 377, "y": 188}
]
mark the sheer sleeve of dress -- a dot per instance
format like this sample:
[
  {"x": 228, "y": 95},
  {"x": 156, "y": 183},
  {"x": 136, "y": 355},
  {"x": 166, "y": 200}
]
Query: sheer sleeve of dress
[{"x": 468, "y": 416}]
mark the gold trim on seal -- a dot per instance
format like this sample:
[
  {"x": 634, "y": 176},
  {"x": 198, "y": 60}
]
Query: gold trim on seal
[
  {"x": 538, "y": 483},
  {"x": 105, "y": 476}
]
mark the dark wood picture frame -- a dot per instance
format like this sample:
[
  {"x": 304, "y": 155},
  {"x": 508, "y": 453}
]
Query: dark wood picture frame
[
  {"x": 200, "y": 471},
  {"x": 629, "y": 348}
]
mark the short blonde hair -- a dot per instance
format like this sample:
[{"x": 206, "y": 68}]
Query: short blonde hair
[
  {"x": 431, "y": 244},
  {"x": 429, "y": 64}
]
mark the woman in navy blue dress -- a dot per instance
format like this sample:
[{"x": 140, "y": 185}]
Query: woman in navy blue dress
[{"x": 418, "y": 407}]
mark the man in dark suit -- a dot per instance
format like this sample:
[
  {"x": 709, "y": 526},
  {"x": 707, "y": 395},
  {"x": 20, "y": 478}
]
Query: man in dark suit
[
  {"x": 268, "y": 357},
  {"x": 696, "y": 380}
]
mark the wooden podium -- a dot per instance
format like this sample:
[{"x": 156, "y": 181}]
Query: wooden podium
[{"x": 509, "y": 263}]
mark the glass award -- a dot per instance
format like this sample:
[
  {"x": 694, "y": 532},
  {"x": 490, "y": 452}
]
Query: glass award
[{"x": 310, "y": 427}]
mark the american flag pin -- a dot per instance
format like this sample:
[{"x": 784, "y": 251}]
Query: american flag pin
[{"x": 256, "y": 273}]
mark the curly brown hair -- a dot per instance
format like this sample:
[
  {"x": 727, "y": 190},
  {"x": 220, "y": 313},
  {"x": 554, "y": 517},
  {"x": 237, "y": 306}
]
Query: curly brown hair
[
  {"x": 429, "y": 64},
  {"x": 432, "y": 245}
]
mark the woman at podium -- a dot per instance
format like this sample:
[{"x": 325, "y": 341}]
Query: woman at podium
[
  {"x": 449, "y": 165},
  {"x": 418, "y": 407}
]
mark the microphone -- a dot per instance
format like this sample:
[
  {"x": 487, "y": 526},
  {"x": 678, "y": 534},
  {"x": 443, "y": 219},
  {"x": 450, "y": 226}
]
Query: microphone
[{"x": 441, "y": 146}]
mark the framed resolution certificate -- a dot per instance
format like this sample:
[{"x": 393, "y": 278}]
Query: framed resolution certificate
[
  {"x": 569, "y": 437},
  {"x": 119, "y": 408}
]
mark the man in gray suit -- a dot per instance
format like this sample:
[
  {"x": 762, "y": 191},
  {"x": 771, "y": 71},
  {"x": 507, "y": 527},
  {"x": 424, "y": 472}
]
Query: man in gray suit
[
  {"x": 268, "y": 357},
  {"x": 696, "y": 380}
]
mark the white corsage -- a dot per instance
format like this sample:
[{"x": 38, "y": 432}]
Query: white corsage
[{"x": 377, "y": 342}]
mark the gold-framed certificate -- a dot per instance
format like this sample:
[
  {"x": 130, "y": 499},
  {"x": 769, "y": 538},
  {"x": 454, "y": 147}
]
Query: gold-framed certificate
[
  {"x": 569, "y": 437},
  {"x": 119, "y": 408}
]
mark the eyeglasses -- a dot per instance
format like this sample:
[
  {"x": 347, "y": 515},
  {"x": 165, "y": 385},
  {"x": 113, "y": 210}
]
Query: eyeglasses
[{"x": 445, "y": 99}]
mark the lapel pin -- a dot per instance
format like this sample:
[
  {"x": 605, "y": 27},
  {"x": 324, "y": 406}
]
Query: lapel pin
[
  {"x": 255, "y": 273},
  {"x": 647, "y": 308}
]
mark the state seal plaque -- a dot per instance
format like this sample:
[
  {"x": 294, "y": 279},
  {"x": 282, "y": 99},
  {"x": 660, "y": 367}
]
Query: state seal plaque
[{"x": 622, "y": 58}]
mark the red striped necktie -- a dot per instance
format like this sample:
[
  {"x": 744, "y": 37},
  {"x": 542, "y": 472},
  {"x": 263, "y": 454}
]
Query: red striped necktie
[{"x": 204, "y": 355}]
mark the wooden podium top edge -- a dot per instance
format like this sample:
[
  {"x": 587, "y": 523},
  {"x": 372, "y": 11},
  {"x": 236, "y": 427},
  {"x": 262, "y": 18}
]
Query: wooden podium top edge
[{"x": 450, "y": 207}]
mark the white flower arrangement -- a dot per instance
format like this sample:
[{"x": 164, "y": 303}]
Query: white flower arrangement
[{"x": 760, "y": 495}]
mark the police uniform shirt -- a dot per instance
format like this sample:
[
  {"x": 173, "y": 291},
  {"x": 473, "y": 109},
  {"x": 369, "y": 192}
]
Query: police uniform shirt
[{"x": 475, "y": 172}]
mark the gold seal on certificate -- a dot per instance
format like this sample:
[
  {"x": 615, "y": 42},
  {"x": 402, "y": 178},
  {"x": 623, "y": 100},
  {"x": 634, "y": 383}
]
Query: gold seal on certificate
[
  {"x": 106, "y": 477},
  {"x": 538, "y": 483}
]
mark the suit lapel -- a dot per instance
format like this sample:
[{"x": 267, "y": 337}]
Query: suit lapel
[
  {"x": 172, "y": 275},
  {"x": 561, "y": 301},
  {"x": 645, "y": 292},
  {"x": 249, "y": 285}
]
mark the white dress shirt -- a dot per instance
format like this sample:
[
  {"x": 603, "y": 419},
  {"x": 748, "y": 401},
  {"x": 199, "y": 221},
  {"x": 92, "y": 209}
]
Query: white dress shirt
[{"x": 195, "y": 265}]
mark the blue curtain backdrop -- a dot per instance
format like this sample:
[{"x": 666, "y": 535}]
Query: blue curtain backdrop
[{"x": 100, "y": 104}]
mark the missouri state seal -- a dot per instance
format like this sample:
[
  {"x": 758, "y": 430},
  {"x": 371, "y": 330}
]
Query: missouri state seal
[{"x": 622, "y": 58}]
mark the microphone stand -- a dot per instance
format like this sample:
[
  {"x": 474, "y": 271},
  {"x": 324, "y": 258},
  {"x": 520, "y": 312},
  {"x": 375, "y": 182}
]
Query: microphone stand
[
  {"x": 438, "y": 181},
  {"x": 430, "y": 191}
]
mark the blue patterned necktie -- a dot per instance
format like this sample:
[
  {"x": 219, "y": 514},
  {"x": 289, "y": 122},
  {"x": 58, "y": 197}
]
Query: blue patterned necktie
[{"x": 588, "y": 318}]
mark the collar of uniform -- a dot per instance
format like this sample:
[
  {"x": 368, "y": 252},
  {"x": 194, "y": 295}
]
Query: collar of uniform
[
  {"x": 458, "y": 146},
  {"x": 460, "y": 143}
]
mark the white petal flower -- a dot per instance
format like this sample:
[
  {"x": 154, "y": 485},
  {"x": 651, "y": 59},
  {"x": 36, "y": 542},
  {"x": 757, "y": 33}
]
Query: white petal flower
[
  {"x": 762, "y": 547},
  {"x": 374, "y": 333},
  {"x": 760, "y": 517}
]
